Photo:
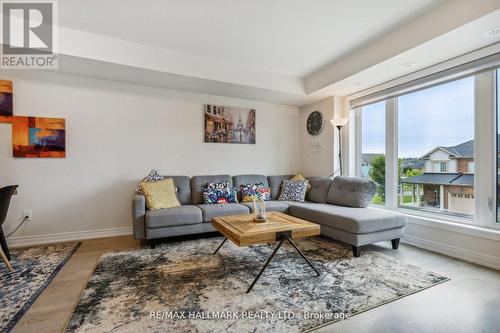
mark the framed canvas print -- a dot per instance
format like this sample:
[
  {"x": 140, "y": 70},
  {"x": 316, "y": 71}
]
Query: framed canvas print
[
  {"x": 6, "y": 103},
  {"x": 38, "y": 137},
  {"x": 227, "y": 124}
]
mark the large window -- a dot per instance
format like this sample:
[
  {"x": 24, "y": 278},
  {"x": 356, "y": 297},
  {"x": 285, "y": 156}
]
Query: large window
[
  {"x": 436, "y": 148},
  {"x": 373, "y": 147}
]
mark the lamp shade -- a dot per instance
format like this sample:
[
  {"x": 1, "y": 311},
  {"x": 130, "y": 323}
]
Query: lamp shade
[{"x": 339, "y": 122}]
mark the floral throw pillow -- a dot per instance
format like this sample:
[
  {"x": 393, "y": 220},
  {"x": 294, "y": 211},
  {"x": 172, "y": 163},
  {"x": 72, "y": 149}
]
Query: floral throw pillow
[
  {"x": 251, "y": 192},
  {"x": 219, "y": 186},
  {"x": 293, "y": 190},
  {"x": 153, "y": 176},
  {"x": 219, "y": 196}
]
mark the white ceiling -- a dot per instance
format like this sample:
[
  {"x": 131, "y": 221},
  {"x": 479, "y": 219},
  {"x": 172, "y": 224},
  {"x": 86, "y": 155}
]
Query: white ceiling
[
  {"x": 279, "y": 51},
  {"x": 282, "y": 36}
]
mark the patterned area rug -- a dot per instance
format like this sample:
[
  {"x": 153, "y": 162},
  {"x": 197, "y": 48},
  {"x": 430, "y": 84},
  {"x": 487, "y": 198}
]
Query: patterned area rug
[
  {"x": 182, "y": 287},
  {"x": 34, "y": 268}
]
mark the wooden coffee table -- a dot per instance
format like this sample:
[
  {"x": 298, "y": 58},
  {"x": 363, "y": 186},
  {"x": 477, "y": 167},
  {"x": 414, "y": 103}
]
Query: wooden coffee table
[{"x": 243, "y": 231}]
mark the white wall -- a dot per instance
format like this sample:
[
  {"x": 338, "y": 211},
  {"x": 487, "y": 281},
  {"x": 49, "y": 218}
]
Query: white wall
[
  {"x": 318, "y": 161},
  {"x": 115, "y": 134},
  {"x": 477, "y": 245},
  {"x": 322, "y": 161}
]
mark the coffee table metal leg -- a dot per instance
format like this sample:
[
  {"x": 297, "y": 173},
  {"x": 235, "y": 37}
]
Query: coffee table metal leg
[
  {"x": 225, "y": 239},
  {"x": 303, "y": 255},
  {"x": 265, "y": 265}
]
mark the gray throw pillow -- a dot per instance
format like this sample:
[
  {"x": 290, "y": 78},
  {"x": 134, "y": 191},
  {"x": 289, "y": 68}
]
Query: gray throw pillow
[
  {"x": 293, "y": 190},
  {"x": 351, "y": 192}
]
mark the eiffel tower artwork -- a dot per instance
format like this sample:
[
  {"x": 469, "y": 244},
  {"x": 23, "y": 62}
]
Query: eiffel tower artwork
[{"x": 227, "y": 124}]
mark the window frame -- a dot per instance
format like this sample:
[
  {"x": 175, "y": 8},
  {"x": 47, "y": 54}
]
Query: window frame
[
  {"x": 437, "y": 166},
  {"x": 469, "y": 168},
  {"x": 485, "y": 142}
]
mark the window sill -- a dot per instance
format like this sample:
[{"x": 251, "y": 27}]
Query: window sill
[
  {"x": 438, "y": 216},
  {"x": 448, "y": 223}
]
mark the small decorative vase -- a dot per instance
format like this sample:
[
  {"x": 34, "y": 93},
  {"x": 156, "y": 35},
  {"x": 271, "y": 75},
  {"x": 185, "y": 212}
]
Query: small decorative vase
[{"x": 259, "y": 210}]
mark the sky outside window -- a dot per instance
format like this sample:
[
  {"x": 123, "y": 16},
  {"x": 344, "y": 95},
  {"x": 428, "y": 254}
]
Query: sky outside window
[
  {"x": 438, "y": 116},
  {"x": 373, "y": 128}
]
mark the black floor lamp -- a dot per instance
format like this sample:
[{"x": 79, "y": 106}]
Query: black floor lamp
[{"x": 339, "y": 123}]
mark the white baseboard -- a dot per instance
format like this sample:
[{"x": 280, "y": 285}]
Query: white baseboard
[
  {"x": 453, "y": 251},
  {"x": 24, "y": 241}
]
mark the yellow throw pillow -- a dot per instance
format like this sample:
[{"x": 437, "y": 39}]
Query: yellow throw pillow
[
  {"x": 300, "y": 177},
  {"x": 160, "y": 194}
]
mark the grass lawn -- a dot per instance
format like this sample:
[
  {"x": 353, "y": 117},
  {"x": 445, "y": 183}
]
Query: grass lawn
[
  {"x": 378, "y": 200},
  {"x": 406, "y": 199}
]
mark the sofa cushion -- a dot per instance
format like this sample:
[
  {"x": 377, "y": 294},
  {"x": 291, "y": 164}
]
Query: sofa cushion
[
  {"x": 353, "y": 220},
  {"x": 198, "y": 182},
  {"x": 210, "y": 211},
  {"x": 293, "y": 190},
  {"x": 183, "y": 187},
  {"x": 275, "y": 185},
  {"x": 351, "y": 192},
  {"x": 319, "y": 189},
  {"x": 171, "y": 217},
  {"x": 240, "y": 180},
  {"x": 271, "y": 206}
]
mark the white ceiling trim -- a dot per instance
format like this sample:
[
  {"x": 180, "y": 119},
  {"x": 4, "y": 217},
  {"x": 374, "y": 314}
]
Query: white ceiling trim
[
  {"x": 146, "y": 77},
  {"x": 111, "y": 50}
]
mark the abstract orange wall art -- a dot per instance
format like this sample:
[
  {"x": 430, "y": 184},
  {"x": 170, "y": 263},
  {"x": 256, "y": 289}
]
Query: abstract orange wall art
[
  {"x": 6, "y": 103},
  {"x": 38, "y": 137}
]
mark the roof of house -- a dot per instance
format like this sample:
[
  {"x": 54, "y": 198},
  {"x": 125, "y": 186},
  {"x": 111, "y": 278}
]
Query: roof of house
[
  {"x": 465, "y": 149},
  {"x": 462, "y": 150},
  {"x": 465, "y": 180},
  {"x": 368, "y": 157},
  {"x": 441, "y": 179},
  {"x": 413, "y": 164}
]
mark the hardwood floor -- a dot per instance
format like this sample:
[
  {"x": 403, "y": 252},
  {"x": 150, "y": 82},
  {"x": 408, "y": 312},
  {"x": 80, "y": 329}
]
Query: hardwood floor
[{"x": 52, "y": 309}]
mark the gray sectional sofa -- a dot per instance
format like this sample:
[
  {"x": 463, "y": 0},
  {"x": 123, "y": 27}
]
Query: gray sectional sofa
[{"x": 355, "y": 226}]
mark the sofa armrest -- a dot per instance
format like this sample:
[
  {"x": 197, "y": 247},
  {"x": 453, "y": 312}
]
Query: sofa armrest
[{"x": 139, "y": 216}]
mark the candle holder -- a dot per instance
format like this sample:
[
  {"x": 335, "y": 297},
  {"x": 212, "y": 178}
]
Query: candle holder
[{"x": 259, "y": 210}]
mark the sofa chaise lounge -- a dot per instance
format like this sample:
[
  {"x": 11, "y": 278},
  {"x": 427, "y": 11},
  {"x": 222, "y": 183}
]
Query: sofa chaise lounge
[{"x": 352, "y": 225}]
